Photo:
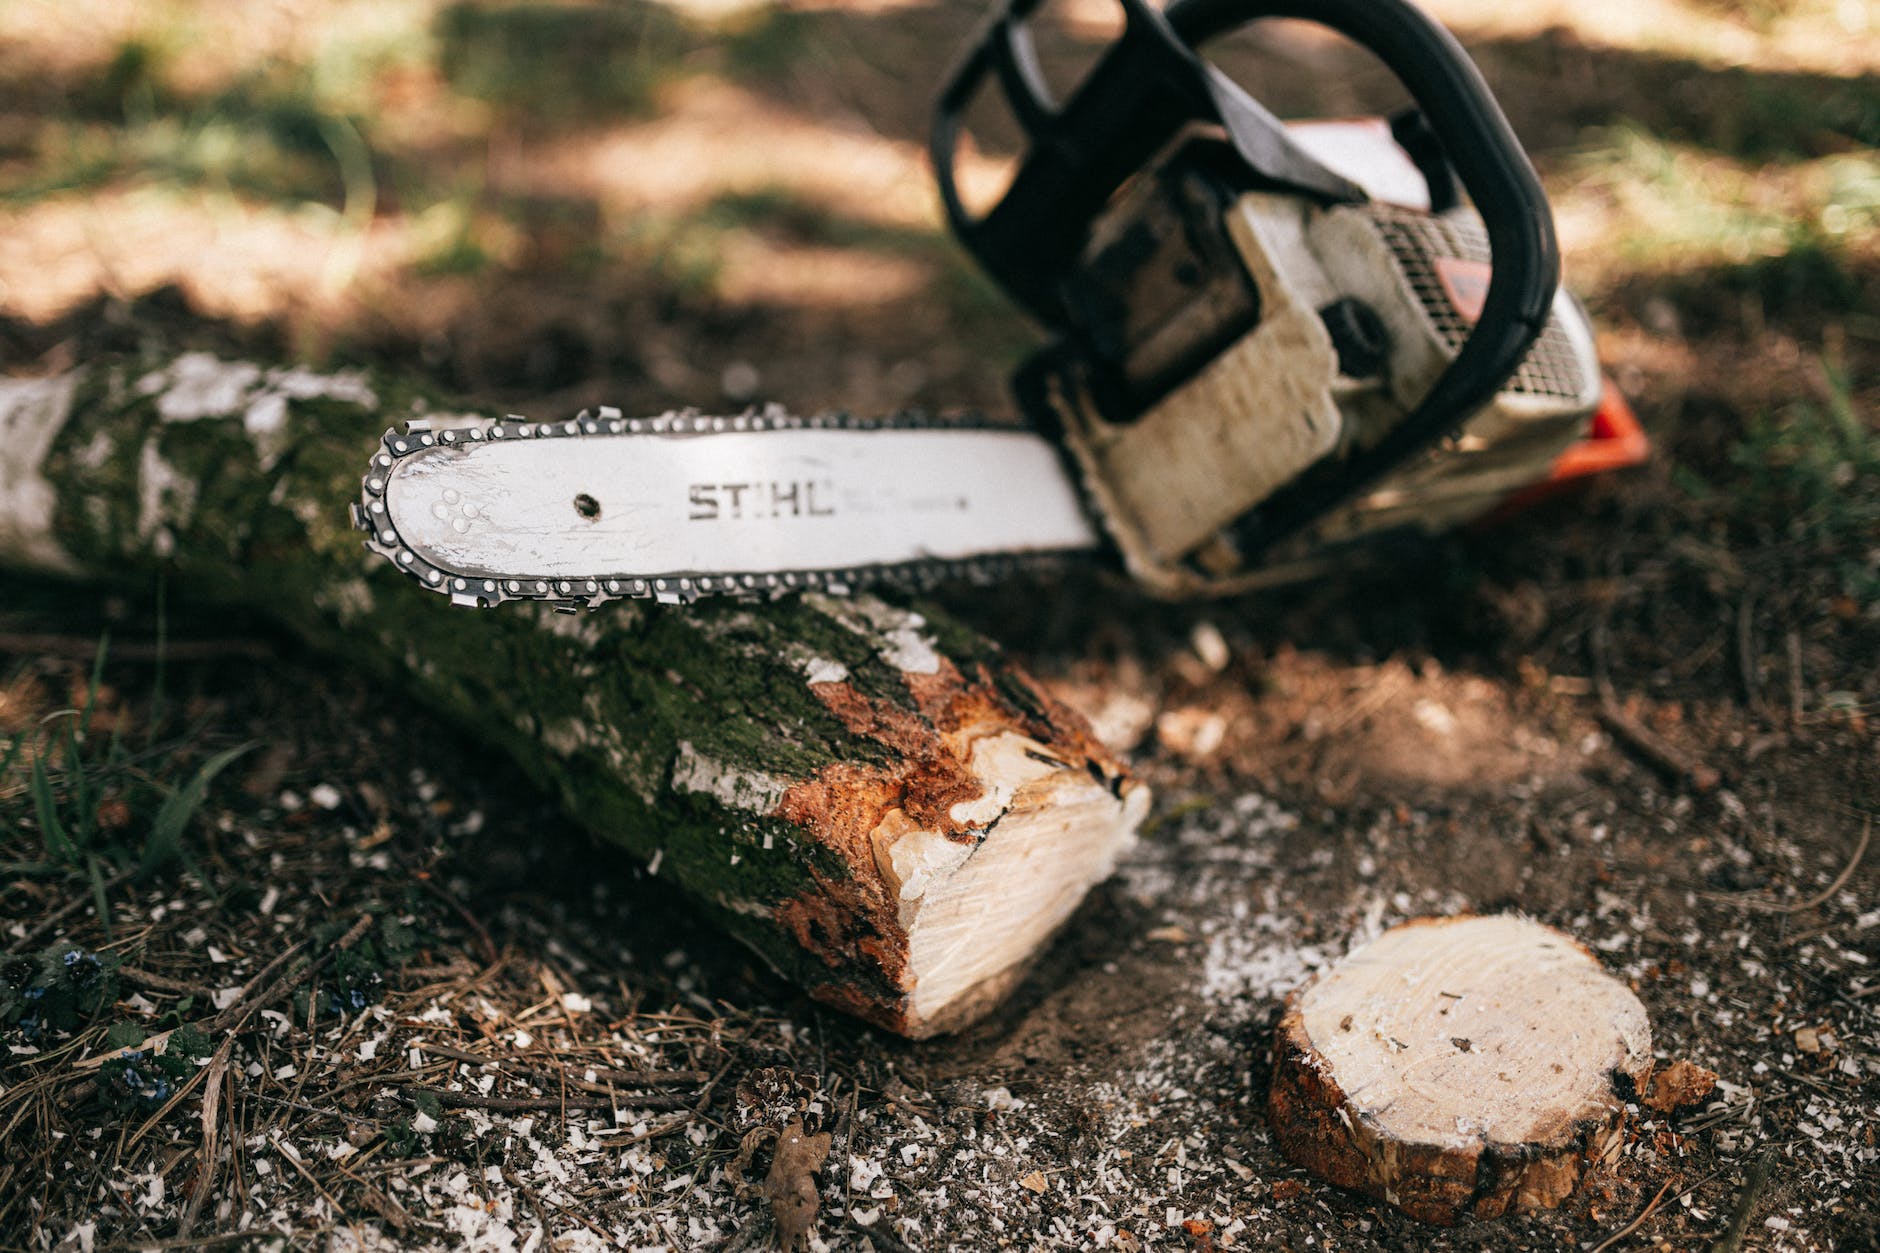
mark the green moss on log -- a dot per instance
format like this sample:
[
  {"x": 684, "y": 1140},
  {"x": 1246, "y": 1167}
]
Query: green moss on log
[{"x": 235, "y": 481}]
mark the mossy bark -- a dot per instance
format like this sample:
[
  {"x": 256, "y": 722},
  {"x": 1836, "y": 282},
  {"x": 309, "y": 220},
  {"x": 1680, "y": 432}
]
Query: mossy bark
[{"x": 755, "y": 754}]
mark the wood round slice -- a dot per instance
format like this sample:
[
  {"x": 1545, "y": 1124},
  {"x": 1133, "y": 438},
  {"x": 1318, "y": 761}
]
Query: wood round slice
[{"x": 1459, "y": 1066}]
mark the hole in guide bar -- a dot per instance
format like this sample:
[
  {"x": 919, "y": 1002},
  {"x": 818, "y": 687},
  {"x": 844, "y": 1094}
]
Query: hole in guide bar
[{"x": 587, "y": 506}]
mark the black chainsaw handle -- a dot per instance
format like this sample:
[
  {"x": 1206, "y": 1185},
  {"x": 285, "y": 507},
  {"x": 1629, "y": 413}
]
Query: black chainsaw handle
[
  {"x": 1151, "y": 82},
  {"x": 1142, "y": 92},
  {"x": 1482, "y": 148}
]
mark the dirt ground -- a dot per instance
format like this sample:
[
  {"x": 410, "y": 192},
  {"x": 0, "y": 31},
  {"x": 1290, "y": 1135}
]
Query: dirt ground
[{"x": 510, "y": 1038}]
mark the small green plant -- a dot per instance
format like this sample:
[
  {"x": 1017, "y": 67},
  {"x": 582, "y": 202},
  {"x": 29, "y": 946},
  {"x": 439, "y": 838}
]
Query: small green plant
[
  {"x": 55, "y": 991},
  {"x": 356, "y": 979},
  {"x": 356, "y": 984},
  {"x": 138, "y": 1079},
  {"x": 1811, "y": 474},
  {"x": 1792, "y": 236},
  {"x": 101, "y": 804}
]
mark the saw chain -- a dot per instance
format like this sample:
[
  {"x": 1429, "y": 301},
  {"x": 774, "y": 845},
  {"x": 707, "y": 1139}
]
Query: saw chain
[{"x": 605, "y": 507}]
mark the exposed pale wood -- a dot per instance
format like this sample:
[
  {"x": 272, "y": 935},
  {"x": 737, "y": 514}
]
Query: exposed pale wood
[
  {"x": 870, "y": 796},
  {"x": 1459, "y": 1067}
]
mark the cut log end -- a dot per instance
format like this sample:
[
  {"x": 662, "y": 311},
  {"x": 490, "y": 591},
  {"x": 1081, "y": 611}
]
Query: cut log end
[
  {"x": 977, "y": 912},
  {"x": 1467, "y": 1067},
  {"x": 965, "y": 857}
]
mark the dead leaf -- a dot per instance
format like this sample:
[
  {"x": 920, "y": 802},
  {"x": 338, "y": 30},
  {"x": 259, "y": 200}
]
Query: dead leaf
[
  {"x": 1288, "y": 1190},
  {"x": 1678, "y": 1086},
  {"x": 1035, "y": 1181},
  {"x": 791, "y": 1184}
]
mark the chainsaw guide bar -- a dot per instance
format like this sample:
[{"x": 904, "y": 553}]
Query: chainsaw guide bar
[{"x": 604, "y": 507}]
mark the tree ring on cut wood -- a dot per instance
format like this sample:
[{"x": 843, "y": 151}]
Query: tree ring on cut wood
[{"x": 1459, "y": 1066}]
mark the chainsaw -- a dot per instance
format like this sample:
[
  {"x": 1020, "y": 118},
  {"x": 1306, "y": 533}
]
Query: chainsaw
[{"x": 1272, "y": 347}]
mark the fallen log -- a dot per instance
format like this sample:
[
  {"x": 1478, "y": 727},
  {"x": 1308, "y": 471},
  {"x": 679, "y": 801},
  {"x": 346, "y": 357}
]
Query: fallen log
[
  {"x": 1459, "y": 1067},
  {"x": 873, "y": 798}
]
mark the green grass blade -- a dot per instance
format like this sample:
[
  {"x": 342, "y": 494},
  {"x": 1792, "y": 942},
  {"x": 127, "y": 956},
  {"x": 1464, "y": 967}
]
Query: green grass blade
[
  {"x": 91, "y": 691},
  {"x": 50, "y": 829},
  {"x": 163, "y": 643},
  {"x": 31, "y": 867},
  {"x": 165, "y": 842},
  {"x": 84, "y": 813}
]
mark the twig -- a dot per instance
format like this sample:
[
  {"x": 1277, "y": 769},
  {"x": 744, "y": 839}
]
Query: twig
[
  {"x": 1732, "y": 1238},
  {"x": 206, "y": 1164},
  {"x": 1745, "y": 652},
  {"x": 1660, "y": 755},
  {"x": 460, "y": 970},
  {"x": 636, "y": 1078},
  {"x": 288, "y": 1155},
  {"x": 525, "y": 1104},
  {"x": 1820, "y": 898},
  {"x": 227, "y": 1016},
  {"x": 382, "y": 1204},
  {"x": 183, "y": 1089},
  {"x": 238, "y": 1013},
  {"x": 880, "y": 1240},
  {"x": 163, "y": 983},
  {"x": 52, "y": 919},
  {"x": 253, "y": 1235},
  {"x": 651, "y": 1133},
  {"x": 235, "y": 1015},
  {"x": 1795, "y": 677},
  {"x": 483, "y": 936},
  {"x": 1657, "y": 753},
  {"x": 673, "y": 1124},
  {"x": 748, "y": 1234},
  {"x": 1651, "y": 1208},
  {"x": 542, "y": 1207}
]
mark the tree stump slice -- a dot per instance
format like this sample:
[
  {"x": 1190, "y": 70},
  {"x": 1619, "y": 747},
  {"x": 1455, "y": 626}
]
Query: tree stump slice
[{"x": 1459, "y": 1067}]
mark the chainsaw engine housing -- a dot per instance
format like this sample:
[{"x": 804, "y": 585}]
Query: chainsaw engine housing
[
  {"x": 1260, "y": 350},
  {"x": 1224, "y": 346}
]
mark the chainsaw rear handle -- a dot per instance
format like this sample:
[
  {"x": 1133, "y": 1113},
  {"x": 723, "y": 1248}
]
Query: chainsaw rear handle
[{"x": 1151, "y": 83}]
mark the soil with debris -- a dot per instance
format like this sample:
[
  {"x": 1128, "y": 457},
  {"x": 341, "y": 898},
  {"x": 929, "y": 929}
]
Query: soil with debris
[
  {"x": 535, "y": 1048},
  {"x": 378, "y": 994}
]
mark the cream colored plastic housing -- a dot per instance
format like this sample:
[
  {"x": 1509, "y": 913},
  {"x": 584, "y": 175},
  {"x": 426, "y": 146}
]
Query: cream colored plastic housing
[{"x": 1171, "y": 483}]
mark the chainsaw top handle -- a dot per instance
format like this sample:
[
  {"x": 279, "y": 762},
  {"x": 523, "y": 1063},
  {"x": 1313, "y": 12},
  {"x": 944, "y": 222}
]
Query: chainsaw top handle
[
  {"x": 1151, "y": 83},
  {"x": 1146, "y": 87}
]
